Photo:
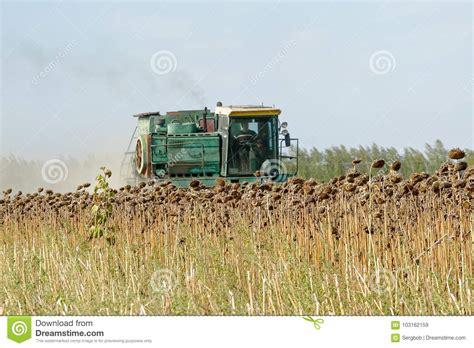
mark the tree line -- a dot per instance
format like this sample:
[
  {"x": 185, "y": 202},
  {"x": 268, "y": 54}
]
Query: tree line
[{"x": 335, "y": 161}]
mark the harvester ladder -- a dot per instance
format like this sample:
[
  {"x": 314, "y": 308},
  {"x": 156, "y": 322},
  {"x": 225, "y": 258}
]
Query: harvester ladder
[{"x": 127, "y": 172}]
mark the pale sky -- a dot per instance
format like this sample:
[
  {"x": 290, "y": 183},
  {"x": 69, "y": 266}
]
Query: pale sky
[{"x": 353, "y": 73}]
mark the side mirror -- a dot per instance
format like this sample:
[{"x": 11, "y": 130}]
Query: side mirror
[{"x": 287, "y": 140}]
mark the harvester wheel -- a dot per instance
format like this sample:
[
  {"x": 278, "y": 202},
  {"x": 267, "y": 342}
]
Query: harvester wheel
[{"x": 142, "y": 155}]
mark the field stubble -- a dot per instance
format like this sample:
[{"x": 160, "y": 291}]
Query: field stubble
[{"x": 358, "y": 245}]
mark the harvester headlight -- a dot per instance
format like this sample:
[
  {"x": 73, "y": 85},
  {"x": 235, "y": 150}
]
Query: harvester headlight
[
  {"x": 284, "y": 124},
  {"x": 284, "y": 132}
]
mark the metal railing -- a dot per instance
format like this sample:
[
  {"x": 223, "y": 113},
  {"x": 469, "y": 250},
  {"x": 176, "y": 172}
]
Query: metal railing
[
  {"x": 126, "y": 167},
  {"x": 281, "y": 156}
]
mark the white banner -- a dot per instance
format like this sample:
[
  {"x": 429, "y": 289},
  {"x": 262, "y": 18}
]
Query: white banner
[{"x": 236, "y": 331}]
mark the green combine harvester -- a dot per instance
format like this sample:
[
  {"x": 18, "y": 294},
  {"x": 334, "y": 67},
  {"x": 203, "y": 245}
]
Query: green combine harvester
[{"x": 234, "y": 143}]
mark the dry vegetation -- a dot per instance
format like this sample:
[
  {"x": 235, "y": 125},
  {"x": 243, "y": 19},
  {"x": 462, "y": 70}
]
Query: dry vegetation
[{"x": 359, "y": 244}]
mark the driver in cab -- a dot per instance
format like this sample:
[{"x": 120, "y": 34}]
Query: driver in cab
[
  {"x": 245, "y": 132},
  {"x": 244, "y": 138}
]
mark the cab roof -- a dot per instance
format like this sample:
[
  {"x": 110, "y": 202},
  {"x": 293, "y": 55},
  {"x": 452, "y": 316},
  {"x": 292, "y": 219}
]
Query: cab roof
[
  {"x": 247, "y": 110},
  {"x": 146, "y": 114}
]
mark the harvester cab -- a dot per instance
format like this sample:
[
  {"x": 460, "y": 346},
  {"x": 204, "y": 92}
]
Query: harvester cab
[{"x": 234, "y": 143}]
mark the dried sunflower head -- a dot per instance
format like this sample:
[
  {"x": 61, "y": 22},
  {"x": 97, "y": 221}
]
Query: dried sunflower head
[
  {"x": 456, "y": 154},
  {"x": 460, "y": 166},
  {"x": 395, "y": 166},
  {"x": 377, "y": 164}
]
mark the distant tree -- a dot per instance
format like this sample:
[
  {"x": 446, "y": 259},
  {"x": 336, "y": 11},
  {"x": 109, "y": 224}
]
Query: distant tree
[{"x": 435, "y": 155}]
